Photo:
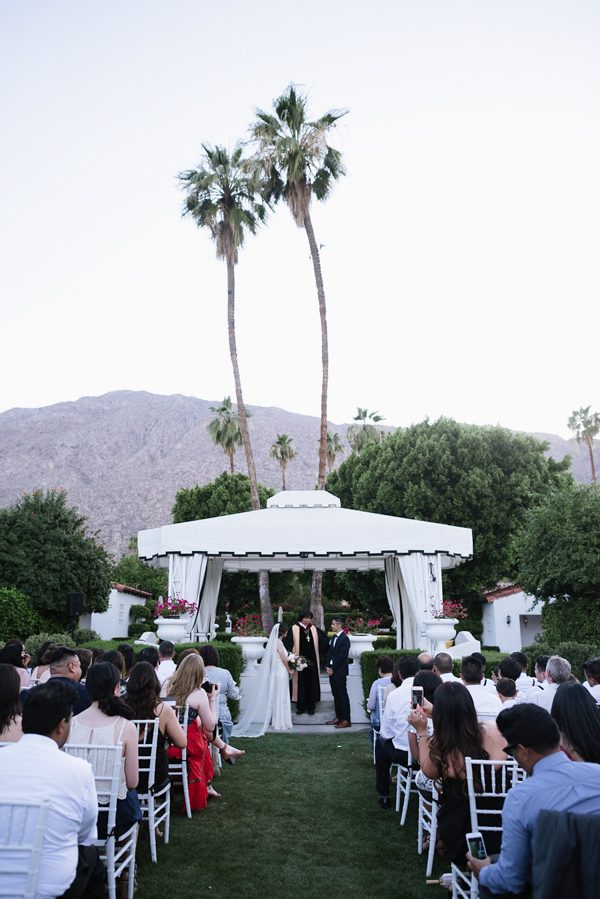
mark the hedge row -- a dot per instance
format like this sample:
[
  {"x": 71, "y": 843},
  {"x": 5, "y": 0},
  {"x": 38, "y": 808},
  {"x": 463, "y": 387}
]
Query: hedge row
[{"x": 575, "y": 653}]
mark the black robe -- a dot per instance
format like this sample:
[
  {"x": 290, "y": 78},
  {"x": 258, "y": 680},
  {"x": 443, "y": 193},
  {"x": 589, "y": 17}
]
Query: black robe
[{"x": 308, "y": 683}]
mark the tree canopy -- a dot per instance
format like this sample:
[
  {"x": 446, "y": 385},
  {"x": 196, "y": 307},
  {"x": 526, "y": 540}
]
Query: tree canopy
[
  {"x": 226, "y": 495},
  {"x": 484, "y": 478},
  {"x": 46, "y": 553},
  {"x": 558, "y": 549}
]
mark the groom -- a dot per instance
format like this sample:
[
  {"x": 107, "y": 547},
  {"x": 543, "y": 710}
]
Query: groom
[
  {"x": 304, "y": 639},
  {"x": 337, "y": 669}
]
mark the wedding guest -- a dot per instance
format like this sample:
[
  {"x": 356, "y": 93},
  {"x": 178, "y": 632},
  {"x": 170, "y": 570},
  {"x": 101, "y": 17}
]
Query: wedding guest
[
  {"x": 553, "y": 783},
  {"x": 524, "y": 682},
  {"x": 506, "y": 689},
  {"x": 97, "y": 654},
  {"x": 456, "y": 734},
  {"x": 578, "y": 719},
  {"x": 442, "y": 665},
  {"x": 166, "y": 666},
  {"x": 228, "y": 689},
  {"x": 558, "y": 671},
  {"x": 107, "y": 722},
  {"x": 143, "y": 698},
  {"x": 425, "y": 660},
  {"x": 34, "y": 767},
  {"x": 430, "y": 682},
  {"x": 391, "y": 746},
  {"x": 385, "y": 666},
  {"x": 126, "y": 650},
  {"x": 116, "y": 658},
  {"x": 149, "y": 654},
  {"x": 12, "y": 653},
  {"x": 10, "y": 704},
  {"x": 41, "y": 671},
  {"x": 591, "y": 670},
  {"x": 65, "y": 666},
  {"x": 540, "y": 671},
  {"x": 509, "y": 667},
  {"x": 486, "y": 704},
  {"x": 85, "y": 657}
]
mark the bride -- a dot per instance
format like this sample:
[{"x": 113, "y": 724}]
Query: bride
[{"x": 270, "y": 699}]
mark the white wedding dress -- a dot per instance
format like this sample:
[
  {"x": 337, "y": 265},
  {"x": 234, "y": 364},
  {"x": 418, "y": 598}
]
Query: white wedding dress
[{"x": 281, "y": 716}]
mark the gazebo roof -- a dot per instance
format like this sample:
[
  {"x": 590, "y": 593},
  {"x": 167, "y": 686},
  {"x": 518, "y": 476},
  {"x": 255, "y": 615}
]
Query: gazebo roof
[{"x": 307, "y": 529}]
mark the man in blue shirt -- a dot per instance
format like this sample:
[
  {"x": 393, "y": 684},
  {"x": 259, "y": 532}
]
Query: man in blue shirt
[{"x": 553, "y": 782}]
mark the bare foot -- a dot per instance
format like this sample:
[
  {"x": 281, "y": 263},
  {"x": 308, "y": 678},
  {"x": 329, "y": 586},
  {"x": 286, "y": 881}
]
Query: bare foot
[
  {"x": 212, "y": 792},
  {"x": 230, "y": 754}
]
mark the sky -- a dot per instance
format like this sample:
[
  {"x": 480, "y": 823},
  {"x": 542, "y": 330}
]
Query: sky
[{"x": 460, "y": 252}]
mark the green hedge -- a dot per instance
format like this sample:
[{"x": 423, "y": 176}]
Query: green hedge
[
  {"x": 571, "y": 621},
  {"x": 575, "y": 653},
  {"x": 17, "y": 618}
]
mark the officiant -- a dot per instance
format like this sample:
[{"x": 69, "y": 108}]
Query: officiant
[{"x": 304, "y": 639}]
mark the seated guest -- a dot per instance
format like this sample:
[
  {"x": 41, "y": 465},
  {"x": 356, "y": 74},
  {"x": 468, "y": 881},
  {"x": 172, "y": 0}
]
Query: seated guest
[
  {"x": 34, "y": 767},
  {"x": 558, "y": 671},
  {"x": 578, "y": 719},
  {"x": 41, "y": 671},
  {"x": 391, "y": 746},
  {"x": 488, "y": 682},
  {"x": 10, "y": 704},
  {"x": 524, "y": 682},
  {"x": 142, "y": 697},
  {"x": 12, "y": 653},
  {"x": 166, "y": 666},
  {"x": 558, "y": 784},
  {"x": 540, "y": 671},
  {"x": 442, "y": 665},
  {"x": 116, "y": 658},
  {"x": 97, "y": 654},
  {"x": 228, "y": 689},
  {"x": 65, "y": 666},
  {"x": 85, "y": 657},
  {"x": 126, "y": 650},
  {"x": 425, "y": 660},
  {"x": 456, "y": 734},
  {"x": 509, "y": 667},
  {"x": 487, "y": 705},
  {"x": 107, "y": 722},
  {"x": 149, "y": 654},
  {"x": 591, "y": 670},
  {"x": 385, "y": 666},
  {"x": 429, "y": 682},
  {"x": 506, "y": 689}
]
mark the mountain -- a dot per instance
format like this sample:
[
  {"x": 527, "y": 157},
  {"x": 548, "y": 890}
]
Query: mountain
[{"x": 122, "y": 457}]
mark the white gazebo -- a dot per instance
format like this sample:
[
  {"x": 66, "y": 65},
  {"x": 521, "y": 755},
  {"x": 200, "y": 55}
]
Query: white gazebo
[{"x": 307, "y": 530}]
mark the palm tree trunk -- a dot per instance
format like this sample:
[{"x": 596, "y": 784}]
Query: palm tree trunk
[
  {"x": 590, "y": 443},
  {"x": 283, "y": 477},
  {"x": 266, "y": 611},
  {"x": 316, "y": 603},
  {"x": 231, "y": 468}
]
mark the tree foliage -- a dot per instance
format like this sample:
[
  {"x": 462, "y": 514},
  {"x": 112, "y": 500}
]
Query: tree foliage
[
  {"x": 46, "y": 553},
  {"x": 559, "y": 547},
  {"x": 586, "y": 425},
  {"x": 483, "y": 478},
  {"x": 225, "y": 431},
  {"x": 17, "y": 618},
  {"x": 226, "y": 495},
  {"x": 365, "y": 430},
  {"x": 132, "y": 572}
]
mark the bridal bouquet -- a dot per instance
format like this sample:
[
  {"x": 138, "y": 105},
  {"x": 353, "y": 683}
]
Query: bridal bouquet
[{"x": 297, "y": 663}]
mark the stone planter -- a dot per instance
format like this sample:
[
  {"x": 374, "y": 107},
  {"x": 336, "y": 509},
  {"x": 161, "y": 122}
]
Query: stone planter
[
  {"x": 438, "y": 631},
  {"x": 173, "y": 629},
  {"x": 252, "y": 650},
  {"x": 359, "y": 643}
]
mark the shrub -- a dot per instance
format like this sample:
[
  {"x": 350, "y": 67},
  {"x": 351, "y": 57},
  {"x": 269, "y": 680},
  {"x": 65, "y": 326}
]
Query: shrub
[
  {"x": 17, "y": 618},
  {"x": 575, "y": 653},
  {"x": 571, "y": 621},
  {"x": 85, "y": 635},
  {"x": 36, "y": 640}
]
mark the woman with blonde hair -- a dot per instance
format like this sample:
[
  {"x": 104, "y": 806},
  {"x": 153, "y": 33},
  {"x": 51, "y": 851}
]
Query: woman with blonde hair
[{"x": 186, "y": 688}]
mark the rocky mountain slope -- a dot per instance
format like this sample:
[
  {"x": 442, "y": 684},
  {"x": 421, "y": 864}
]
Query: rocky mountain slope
[{"x": 122, "y": 457}]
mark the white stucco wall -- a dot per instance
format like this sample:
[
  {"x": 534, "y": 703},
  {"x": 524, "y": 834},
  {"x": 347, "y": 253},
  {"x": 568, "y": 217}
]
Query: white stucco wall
[
  {"x": 115, "y": 621},
  {"x": 525, "y": 622}
]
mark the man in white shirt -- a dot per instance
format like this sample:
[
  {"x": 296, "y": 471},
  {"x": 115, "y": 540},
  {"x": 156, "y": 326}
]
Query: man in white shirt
[
  {"x": 166, "y": 666},
  {"x": 392, "y": 741},
  {"x": 442, "y": 666},
  {"x": 540, "y": 671},
  {"x": 487, "y": 705},
  {"x": 558, "y": 671},
  {"x": 35, "y": 768},
  {"x": 591, "y": 670},
  {"x": 524, "y": 682}
]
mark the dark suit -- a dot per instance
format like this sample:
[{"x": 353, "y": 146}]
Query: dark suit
[{"x": 337, "y": 660}]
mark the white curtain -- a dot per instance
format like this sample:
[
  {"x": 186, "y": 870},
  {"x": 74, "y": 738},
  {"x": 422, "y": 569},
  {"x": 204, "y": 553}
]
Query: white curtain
[
  {"x": 256, "y": 715},
  {"x": 414, "y": 589},
  {"x": 186, "y": 579},
  {"x": 205, "y": 621}
]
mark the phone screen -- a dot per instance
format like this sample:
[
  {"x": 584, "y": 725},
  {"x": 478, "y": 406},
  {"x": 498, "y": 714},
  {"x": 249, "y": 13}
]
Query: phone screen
[
  {"x": 416, "y": 697},
  {"x": 476, "y": 846}
]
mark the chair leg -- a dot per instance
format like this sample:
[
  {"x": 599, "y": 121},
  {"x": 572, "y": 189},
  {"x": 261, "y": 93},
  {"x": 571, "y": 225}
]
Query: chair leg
[
  {"x": 152, "y": 829},
  {"x": 168, "y": 818},
  {"x": 186, "y": 790},
  {"x": 406, "y": 798},
  {"x": 432, "y": 842}
]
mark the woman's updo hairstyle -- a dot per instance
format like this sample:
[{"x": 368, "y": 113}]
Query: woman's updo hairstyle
[{"x": 101, "y": 680}]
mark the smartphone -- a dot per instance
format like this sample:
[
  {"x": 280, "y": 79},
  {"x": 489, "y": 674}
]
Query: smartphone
[
  {"x": 416, "y": 697},
  {"x": 476, "y": 846},
  {"x": 207, "y": 686}
]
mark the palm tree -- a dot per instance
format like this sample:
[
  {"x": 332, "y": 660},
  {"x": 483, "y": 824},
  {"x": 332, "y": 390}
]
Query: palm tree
[
  {"x": 283, "y": 451},
  {"x": 299, "y": 164},
  {"x": 586, "y": 426},
  {"x": 334, "y": 448},
  {"x": 224, "y": 429},
  {"x": 221, "y": 195},
  {"x": 365, "y": 431}
]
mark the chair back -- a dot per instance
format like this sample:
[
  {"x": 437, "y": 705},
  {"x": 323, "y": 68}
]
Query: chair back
[
  {"x": 380, "y": 701},
  {"x": 148, "y": 734},
  {"x": 22, "y": 826},
  {"x": 488, "y": 782},
  {"x": 106, "y": 762}
]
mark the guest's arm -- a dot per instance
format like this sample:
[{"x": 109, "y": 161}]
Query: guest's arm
[
  {"x": 419, "y": 722},
  {"x": 130, "y": 748}
]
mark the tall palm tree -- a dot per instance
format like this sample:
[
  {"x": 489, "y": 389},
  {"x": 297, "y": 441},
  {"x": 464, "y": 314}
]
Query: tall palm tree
[
  {"x": 334, "y": 448},
  {"x": 299, "y": 164},
  {"x": 365, "y": 430},
  {"x": 586, "y": 426},
  {"x": 283, "y": 451},
  {"x": 221, "y": 195},
  {"x": 224, "y": 429}
]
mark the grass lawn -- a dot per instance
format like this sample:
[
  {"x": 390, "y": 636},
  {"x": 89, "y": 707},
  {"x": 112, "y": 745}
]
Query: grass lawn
[{"x": 298, "y": 815}]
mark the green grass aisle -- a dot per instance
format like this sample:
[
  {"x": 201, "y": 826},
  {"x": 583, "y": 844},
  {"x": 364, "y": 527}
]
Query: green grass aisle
[{"x": 298, "y": 815}]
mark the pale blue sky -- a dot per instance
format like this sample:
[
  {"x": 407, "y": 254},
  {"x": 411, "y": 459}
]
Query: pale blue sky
[{"x": 461, "y": 250}]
